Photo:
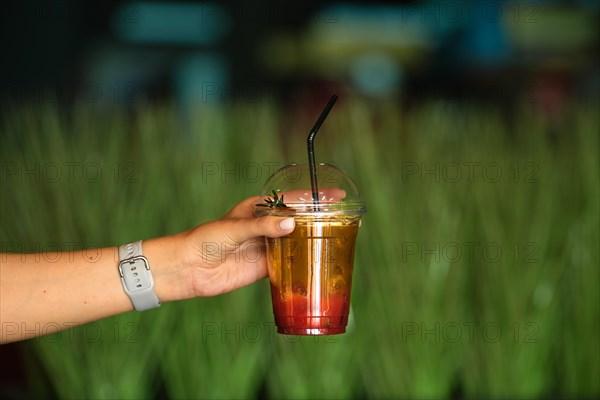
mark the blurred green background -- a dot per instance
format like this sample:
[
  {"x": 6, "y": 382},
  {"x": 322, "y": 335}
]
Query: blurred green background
[
  {"x": 474, "y": 141},
  {"x": 465, "y": 284}
]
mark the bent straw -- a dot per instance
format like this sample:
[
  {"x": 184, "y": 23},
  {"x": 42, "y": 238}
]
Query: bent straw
[{"x": 311, "y": 149}]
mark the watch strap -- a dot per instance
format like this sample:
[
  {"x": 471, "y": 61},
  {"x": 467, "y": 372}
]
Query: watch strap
[
  {"x": 130, "y": 250},
  {"x": 136, "y": 277}
]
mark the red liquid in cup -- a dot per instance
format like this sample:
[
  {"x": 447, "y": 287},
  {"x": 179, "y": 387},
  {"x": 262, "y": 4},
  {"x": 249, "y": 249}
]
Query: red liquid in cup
[
  {"x": 301, "y": 316},
  {"x": 311, "y": 275}
]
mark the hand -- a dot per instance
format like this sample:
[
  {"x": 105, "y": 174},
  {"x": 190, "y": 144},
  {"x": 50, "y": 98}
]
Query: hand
[
  {"x": 219, "y": 256},
  {"x": 213, "y": 258},
  {"x": 229, "y": 253}
]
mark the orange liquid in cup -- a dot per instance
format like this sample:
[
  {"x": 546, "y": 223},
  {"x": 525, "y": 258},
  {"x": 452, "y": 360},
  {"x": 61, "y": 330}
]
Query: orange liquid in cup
[{"x": 311, "y": 275}]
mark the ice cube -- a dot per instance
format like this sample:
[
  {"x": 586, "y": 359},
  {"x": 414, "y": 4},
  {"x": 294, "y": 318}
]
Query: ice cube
[
  {"x": 337, "y": 283},
  {"x": 299, "y": 289}
]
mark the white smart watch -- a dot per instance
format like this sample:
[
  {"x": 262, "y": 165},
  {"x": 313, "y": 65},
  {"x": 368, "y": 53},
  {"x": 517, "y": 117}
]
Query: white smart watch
[{"x": 136, "y": 277}]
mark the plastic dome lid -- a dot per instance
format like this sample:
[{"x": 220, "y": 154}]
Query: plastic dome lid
[{"x": 288, "y": 192}]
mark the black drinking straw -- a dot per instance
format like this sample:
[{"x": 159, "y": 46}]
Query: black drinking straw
[{"x": 311, "y": 148}]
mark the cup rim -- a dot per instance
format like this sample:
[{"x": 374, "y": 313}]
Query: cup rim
[{"x": 322, "y": 209}]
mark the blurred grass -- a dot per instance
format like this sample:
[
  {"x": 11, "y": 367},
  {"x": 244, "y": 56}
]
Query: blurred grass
[{"x": 437, "y": 311}]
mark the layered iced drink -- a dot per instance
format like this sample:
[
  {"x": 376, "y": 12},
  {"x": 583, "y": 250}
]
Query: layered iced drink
[
  {"x": 311, "y": 275},
  {"x": 311, "y": 269}
]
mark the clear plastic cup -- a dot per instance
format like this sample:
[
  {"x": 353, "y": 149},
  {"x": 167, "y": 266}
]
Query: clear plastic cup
[{"x": 311, "y": 269}]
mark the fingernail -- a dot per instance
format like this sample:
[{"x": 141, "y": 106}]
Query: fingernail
[{"x": 286, "y": 224}]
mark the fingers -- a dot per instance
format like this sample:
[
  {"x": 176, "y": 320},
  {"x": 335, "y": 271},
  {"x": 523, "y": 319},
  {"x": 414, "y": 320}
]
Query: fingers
[
  {"x": 245, "y": 208},
  {"x": 305, "y": 195},
  {"x": 247, "y": 228},
  {"x": 233, "y": 231}
]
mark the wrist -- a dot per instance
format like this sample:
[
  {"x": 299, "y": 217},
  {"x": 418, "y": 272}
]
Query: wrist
[{"x": 165, "y": 256}]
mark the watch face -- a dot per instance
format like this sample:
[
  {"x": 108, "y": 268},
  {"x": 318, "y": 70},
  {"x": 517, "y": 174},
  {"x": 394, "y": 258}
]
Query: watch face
[{"x": 135, "y": 274}]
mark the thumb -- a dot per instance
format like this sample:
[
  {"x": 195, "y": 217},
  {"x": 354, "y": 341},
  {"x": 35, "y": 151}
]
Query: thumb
[{"x": 243, "y": 229}]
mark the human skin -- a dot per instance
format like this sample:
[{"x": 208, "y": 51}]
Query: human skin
[{"x": 60, "y": 290}]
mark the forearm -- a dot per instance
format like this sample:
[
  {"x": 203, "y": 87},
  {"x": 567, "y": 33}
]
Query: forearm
[{"x": 42, "y": 294}]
